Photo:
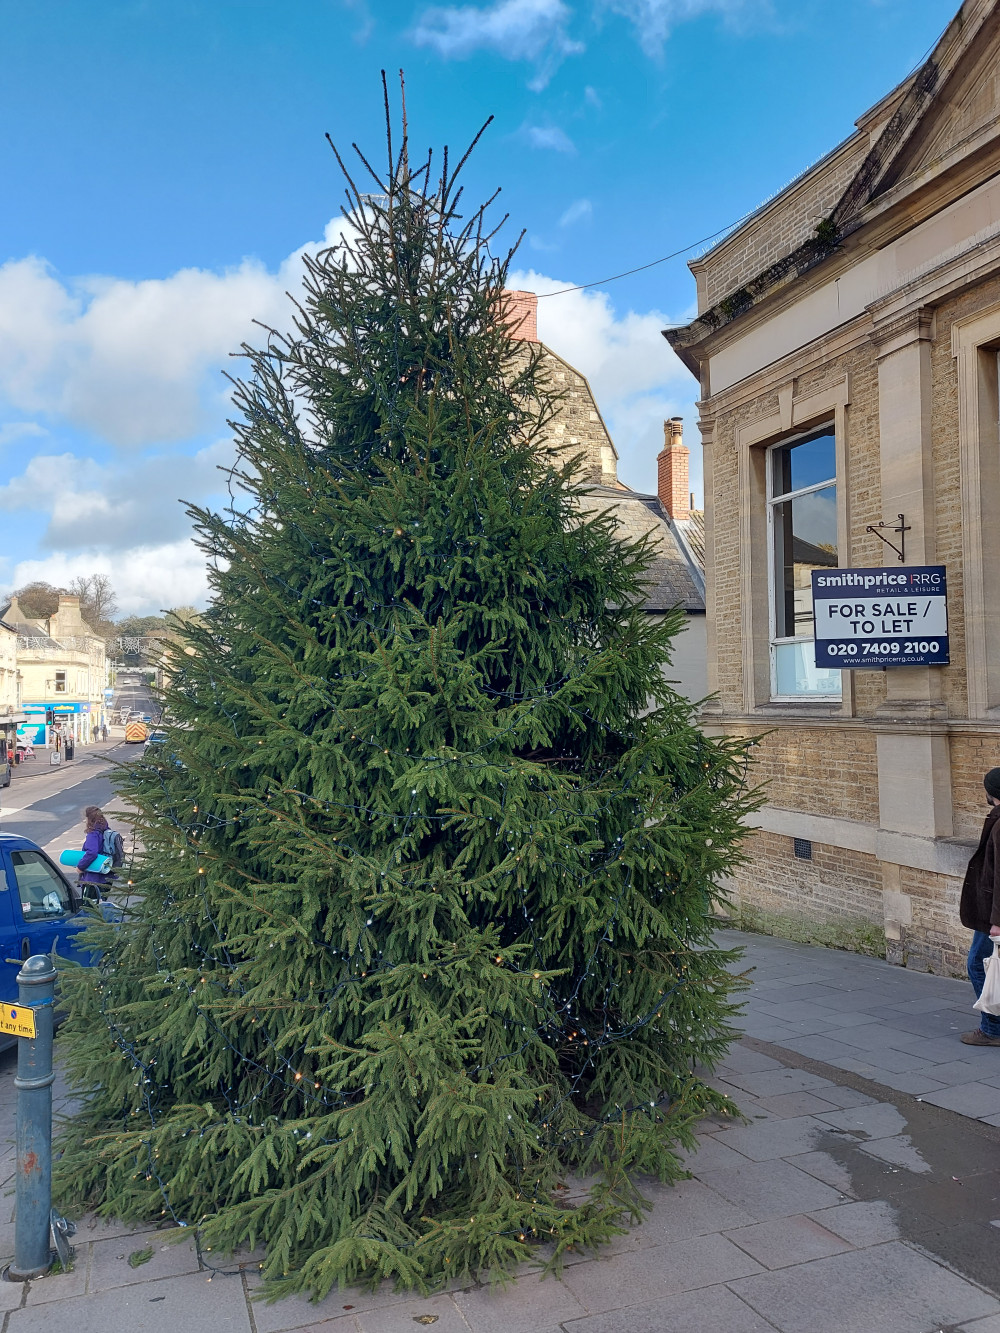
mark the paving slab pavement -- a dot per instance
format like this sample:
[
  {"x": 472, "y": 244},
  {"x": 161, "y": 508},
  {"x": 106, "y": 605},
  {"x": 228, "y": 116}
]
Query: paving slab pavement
[
  {"x": 839, "y": 1203},
  {"x": 867, "y": 1017}
]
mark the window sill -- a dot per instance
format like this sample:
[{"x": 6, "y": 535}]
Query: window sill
[{"x": 820, "y": 707}]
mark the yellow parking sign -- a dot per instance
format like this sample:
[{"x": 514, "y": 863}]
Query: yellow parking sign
[{"x": 18, "y": 1020}]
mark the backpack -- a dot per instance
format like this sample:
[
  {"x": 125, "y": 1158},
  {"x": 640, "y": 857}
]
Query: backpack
[{"x": 112, "y": 845}]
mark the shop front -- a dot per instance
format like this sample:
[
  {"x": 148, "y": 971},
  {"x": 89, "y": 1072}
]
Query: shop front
[
  {"x": 51, "y": 725},
  {"x": 9, "y": 725},
  {"x": 33, "y": 730}
]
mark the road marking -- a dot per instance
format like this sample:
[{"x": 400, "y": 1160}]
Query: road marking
[{"x": 11, "y": 810}]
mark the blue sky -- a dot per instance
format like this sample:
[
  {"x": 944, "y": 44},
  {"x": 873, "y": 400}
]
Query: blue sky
[{"x": 164, "y": 166}]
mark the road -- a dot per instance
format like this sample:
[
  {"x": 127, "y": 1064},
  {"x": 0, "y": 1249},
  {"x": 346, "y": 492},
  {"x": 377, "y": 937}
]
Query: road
[
  {"x": 132, "y": 691},
  {"x": 47, "y": 804}
]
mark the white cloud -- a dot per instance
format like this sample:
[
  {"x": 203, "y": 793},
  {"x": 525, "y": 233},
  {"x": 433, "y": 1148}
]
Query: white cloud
[
  {"x": 620, "y": 355},
  {"x": 534, "y": 30},
  {"x": 19, "y": 430},
  {"x": 637, "y": 380},
  {"x": 129, "y": 362},
  {"x": 538, "y": 30},
  {"x": 147, "y": 579},
  {"x": 136, "y": 363},
  {"x": 133, "y": 363},
  {"x": 577, "y": 211},
  {"x": 655, "y": 19},
  {"x": 550, "y": 136},
  {"x": 123, "y": 519},
  {"x": 366, "y": 22},
  {"x": 111, "y": 507}
]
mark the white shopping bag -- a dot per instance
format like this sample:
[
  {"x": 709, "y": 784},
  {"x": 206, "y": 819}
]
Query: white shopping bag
[{"x": 989, "y": 1001}]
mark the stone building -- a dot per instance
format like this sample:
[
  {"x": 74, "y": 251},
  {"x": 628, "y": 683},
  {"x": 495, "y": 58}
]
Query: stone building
[
  {"x": 847, "y": 345},
  {"x": 676, "y": 576},
  {"x": 63, "y": 667},
  {"x": 10, "y": 699}
]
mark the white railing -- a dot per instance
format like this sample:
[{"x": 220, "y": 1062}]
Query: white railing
[{"x": 77, "y": 643}]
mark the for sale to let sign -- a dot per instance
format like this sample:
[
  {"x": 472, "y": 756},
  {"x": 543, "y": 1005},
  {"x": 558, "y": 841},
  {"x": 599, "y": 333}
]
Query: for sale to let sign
[{"x": 871, "y": 618}]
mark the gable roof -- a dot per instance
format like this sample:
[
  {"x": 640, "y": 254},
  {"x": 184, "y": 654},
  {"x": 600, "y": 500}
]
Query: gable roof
[
  {"x": 943, "y": 121},
  {"x": 19, "y": 622},
  {"x": 808, "y": 553},
  {"x": 671, "y": 580},
  {"x": 940, "y": 109},
  {"x": 693, "y": 534},
  {"x": 35, "y": 631}
]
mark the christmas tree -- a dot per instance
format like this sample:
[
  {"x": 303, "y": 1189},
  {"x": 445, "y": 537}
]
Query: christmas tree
[{"x": 422, "y": 921}]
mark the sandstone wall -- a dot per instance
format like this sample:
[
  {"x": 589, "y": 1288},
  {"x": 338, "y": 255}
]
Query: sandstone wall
[
  {"x": 837, "y": 885},
  {"x": 779, "y": 229}
]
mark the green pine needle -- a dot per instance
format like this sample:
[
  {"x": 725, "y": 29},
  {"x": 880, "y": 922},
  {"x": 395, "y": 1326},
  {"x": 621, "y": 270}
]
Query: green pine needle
[{"x": 422, "y": 926}]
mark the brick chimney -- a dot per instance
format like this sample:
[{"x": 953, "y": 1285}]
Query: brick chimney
[
  {"x": 672, "y": 471},
  {"x": 520, "y": 311}
]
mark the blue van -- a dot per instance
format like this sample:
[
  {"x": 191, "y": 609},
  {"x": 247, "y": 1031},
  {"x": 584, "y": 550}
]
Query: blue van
[{"x": 39, "y": 908}]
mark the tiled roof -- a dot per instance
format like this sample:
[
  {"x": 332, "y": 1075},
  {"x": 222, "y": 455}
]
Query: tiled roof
[
  {"x": 35, "y": 635},
  {"x": 36, "y": 630},
  {"x": 693, "y": 532},
  {"x": 670, "y": 579}
]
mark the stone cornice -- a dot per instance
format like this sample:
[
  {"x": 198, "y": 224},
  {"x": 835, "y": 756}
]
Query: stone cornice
[
  {"x": 980, "y": 262},
  {"x": 822, "y": 352},
  {"x": 895, "y": 334},
  {"x": 783, "y": 271},
  {"x": 873, "y": 203}
]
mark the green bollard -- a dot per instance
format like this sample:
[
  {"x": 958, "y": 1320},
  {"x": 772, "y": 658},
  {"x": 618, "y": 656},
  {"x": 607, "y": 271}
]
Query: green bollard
[{"x": 33, "y": 1189}]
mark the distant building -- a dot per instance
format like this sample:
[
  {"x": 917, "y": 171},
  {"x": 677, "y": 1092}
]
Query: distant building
[
  {"x": 10, "y": 693},
  {"x": 63, "y": 667},
  {"x": 846, "y": 346},
  {"x": 676, "y": 577}
]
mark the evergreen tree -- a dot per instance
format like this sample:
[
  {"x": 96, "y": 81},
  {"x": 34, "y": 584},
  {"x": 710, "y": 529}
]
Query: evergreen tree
[{"x": 422, "y": 923}]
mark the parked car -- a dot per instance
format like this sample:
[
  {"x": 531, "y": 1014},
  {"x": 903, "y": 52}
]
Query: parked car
[
  {"x": 41, "y": 910},
  {"x": 158, "y": 749}
]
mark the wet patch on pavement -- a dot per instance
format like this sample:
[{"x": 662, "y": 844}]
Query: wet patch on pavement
[{"x": 938, "y": 1172}]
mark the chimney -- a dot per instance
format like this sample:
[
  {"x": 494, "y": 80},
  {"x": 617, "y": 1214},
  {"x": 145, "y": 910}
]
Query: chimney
[
  {"x": 672, "y": 471},
  {"x": 520, "y": 313},
  {"x": 67, "y": 617}
]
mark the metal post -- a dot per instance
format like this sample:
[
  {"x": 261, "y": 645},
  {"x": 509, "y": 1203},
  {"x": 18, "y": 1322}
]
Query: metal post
[{"x": 33, "y": 1191}]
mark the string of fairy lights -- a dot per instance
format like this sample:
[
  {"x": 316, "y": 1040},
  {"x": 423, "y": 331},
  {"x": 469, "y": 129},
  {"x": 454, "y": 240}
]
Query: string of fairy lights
[
  {"x": 327, "y": 1097},
  {"x": 210, "y": 821},
  {"x": 571, "y": 1022}
]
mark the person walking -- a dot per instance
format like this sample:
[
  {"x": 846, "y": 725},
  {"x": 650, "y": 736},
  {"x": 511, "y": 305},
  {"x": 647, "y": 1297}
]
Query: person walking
[
  {"x": 979, "y": 909},
  {"x": 93, "y": 885}
]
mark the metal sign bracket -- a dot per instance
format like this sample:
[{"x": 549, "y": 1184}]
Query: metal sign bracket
[{"x": 902, "y": 528}]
